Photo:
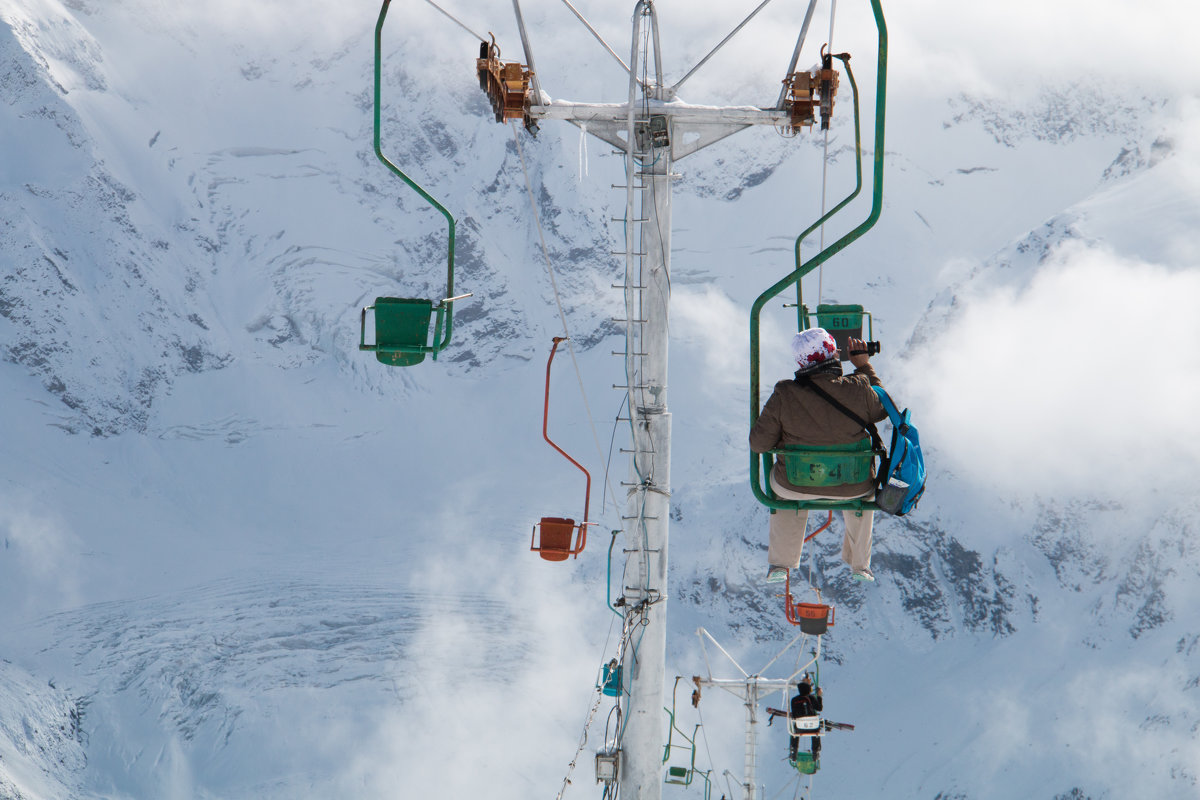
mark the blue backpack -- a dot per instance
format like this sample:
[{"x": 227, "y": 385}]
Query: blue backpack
[{"x": 902, "y": 471}]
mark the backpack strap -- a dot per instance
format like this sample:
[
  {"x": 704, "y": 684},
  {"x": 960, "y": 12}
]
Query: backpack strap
[
  {"x": 893, "y": 413},
  {"x": 869, "y": 427}
]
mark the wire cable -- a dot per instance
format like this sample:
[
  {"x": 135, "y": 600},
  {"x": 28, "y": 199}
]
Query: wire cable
[
  {"x": 456, "y": 21},
  {"x": 598, "y": 692}
]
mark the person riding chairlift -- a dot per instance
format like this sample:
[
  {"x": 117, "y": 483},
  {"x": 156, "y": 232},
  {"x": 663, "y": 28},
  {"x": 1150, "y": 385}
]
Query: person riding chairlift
[
  {"x": 795, "y": 414},
  {"x": 805, "y": 704}
]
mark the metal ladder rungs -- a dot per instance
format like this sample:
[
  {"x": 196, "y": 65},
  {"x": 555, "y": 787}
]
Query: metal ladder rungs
[
  {"x": 643, "y": 386},
  {"x": 623, "y": 353},
  {"x": 622, "y": 219},
  {"x": 619, "y": 186},
  {"x": 635, "y": 321},
  {"x": 641, "y": 517},
  {"x": 625, "y": 253},
  {"x": 623, "y": 286}
]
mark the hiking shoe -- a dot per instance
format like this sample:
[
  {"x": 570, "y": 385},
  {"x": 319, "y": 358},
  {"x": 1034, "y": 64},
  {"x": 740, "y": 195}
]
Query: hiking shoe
[
  {"x": 777, "y": 574},
  {"x": 863, "y": 574}
]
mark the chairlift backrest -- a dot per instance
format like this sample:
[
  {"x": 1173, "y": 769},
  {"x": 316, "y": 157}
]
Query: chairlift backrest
[
  {"x": 680, "y": 776},
  {"x": 559, "y": 538},
  {"x": 843, "y": 321},
  {"x": 804, "y": 726},
  {"x": 829, "y": 465},
  {"x": 402, "y": 330},
  {"x": 806, "y": 763},
  {"x": 814, "y": 619}
]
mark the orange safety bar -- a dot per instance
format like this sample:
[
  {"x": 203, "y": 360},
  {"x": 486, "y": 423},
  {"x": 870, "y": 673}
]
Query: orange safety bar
[
  {"x": 826, "y": 524},
  {"x": 560, "y": 536}
]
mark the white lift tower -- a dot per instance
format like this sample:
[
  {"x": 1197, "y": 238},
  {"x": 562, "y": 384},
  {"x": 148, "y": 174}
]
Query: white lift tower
[{"x": 654, "y": 129}]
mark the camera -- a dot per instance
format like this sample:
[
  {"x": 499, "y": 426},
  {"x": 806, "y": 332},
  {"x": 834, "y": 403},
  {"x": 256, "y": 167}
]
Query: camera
[{"x": 872, "y": 349}]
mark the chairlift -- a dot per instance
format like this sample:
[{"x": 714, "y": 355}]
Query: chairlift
[
  {"x": 408, "y": 328},
  {"x": 841, "y": 321},
  {"x": 831, "y": 465},
  {"x": 814, "y": 619},
  {"x": 558, "y": 538},
  {"x": 609, "y": 682},
  {"x": 403, "y": 328},
  {"x": 508, "y": 85},
  {"x": 675, "y": 774}
]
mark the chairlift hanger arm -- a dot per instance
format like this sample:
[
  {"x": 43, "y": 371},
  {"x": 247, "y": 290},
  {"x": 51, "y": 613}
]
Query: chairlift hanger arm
[
  {"x": 457, "y": 21},
  {"x": 450, "y": 223},
  {"x": 545, "y": 433},
  {"x": 537, "y": 87},
  {"x": 812, "y": 4},
  {"x": 596, "y": 33},
  {"x": 723, "y": 42}
]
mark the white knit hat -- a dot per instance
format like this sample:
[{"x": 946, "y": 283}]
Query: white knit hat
[{"x": 813, "y": 347}]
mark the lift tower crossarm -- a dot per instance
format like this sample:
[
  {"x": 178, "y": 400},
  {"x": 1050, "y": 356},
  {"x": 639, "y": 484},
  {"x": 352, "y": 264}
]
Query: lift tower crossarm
[
  {"x": 710, "y": 124},
  {"x": 679, "y": 112}
]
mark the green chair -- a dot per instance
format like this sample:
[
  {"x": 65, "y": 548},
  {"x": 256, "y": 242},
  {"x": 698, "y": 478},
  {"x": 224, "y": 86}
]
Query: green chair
[
  {"x": 806, "y": 764},
  {"x": 402, "y": 330},
  {"x": 680, "y": 776}
]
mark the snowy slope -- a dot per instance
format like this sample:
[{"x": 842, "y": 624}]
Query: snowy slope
[{"x": 252, "y": 562}]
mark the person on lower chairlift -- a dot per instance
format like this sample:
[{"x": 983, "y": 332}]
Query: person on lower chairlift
[
  {"x": 805, "y": 704},
  {"x": 798, "y": 414}
]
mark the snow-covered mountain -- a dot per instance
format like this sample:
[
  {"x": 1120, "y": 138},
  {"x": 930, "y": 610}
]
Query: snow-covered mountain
[{"x": 243, "y": 560}]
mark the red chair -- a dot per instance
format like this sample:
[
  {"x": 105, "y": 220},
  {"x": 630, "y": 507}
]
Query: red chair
[{"x": 557, "y": 538}]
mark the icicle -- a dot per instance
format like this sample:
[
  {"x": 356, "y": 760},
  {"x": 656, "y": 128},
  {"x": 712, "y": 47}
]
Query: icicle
[{"x": 583, "y": 164}]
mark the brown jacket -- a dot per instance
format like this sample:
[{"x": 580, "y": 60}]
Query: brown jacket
[{"x": 797, "y": 415}]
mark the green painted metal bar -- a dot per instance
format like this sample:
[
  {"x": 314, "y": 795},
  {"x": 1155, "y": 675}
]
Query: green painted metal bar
[
  {"x": 608, "y": 581},
  {"x": 439, "y": 342},
  {"x": 802, "y": 269}
]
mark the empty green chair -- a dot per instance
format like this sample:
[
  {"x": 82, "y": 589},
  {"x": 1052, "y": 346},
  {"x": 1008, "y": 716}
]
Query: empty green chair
[
  {"x": 402, "y": 330},
  {"x": 680, "y": 776},
  {"x": 408, "y": 328}
]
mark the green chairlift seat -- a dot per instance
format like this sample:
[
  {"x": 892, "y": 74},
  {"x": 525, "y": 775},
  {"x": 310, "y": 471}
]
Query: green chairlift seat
[
  {"x": 806, "y": 764},
  {"x": 820, "y": 467},
  {"x": 680, "y": 776},
  {"x": 402, "y": 330}
]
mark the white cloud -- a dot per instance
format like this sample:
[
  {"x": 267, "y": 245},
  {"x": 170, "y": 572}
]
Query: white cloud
[
  {"x": 39, "y": 556},
  {"x": 1087, "y": 379},
  {"x": 711, "y": 320},
  {"x": 1000, "y": 47}
]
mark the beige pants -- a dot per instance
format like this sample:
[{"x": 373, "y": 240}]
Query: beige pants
[{"x": 788, "y": 527}]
